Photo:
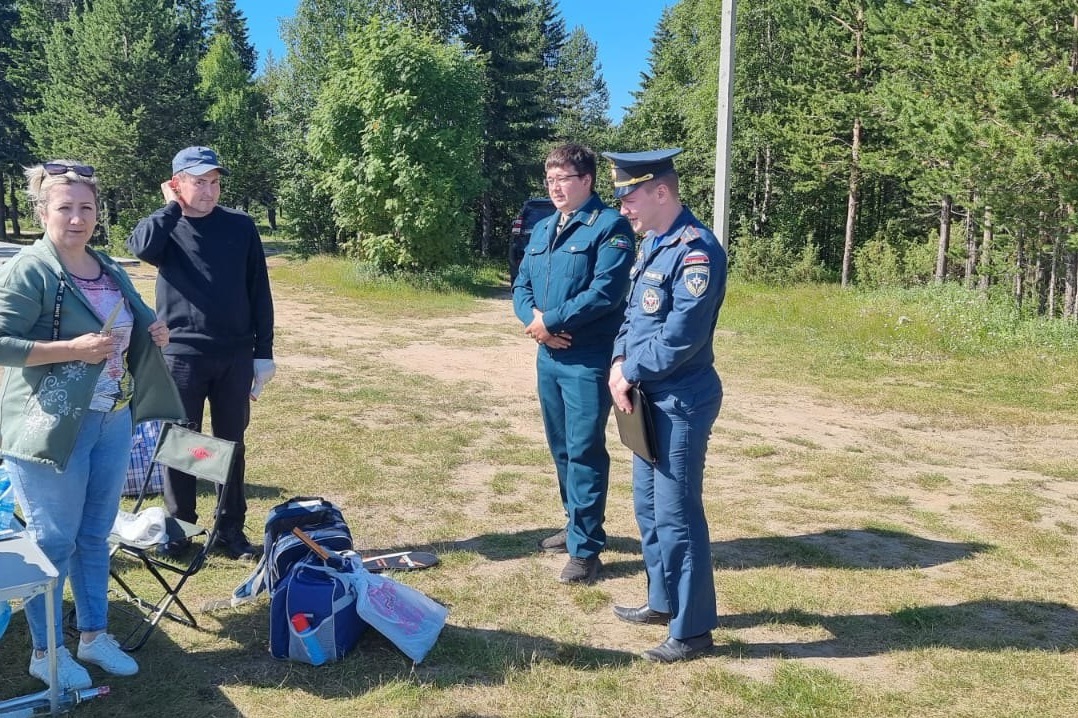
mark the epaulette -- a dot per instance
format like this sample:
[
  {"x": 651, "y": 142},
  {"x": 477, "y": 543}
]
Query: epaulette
[
  {"x": 689, "y": 234},
  {"x": 592, "y": 217}
]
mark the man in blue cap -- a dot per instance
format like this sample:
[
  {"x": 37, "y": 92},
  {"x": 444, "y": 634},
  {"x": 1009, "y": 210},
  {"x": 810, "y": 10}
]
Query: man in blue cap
[
  {"x": 570, "y": 296},
  {"x": 213, "y": 292},
  {"x": 665, "y": 348}
]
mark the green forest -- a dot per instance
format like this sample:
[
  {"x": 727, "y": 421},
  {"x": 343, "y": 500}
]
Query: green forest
[{"x": 875, "y": 142}]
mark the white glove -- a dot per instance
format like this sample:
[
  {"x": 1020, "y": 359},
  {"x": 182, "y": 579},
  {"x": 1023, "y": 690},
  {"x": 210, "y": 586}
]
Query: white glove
[{"x": 264, "y": 371}]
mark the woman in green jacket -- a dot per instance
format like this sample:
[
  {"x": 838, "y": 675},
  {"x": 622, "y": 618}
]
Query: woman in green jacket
[{"x": 83, "y": 362}]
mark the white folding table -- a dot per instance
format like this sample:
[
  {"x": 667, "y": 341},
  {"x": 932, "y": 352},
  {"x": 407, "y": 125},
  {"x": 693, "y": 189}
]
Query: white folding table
[{"x": 25, "y": 572}]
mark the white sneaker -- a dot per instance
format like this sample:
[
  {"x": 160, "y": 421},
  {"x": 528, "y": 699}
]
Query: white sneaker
[
  {"x": 69, "y": 674},
  {"x": 104, "y": 651}
]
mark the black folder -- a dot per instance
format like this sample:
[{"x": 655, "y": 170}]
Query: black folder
[{"x": 635, "y": 429}]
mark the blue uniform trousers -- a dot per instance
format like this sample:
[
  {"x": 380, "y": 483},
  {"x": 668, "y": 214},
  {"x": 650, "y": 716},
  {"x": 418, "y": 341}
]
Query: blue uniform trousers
[
  {"x": 575, "y": 404},
  {"x": 668, "y": 498}
]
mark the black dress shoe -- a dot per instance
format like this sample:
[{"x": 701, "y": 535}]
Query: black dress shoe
[
  {"x": 673, "y": 650},
  {"x": 642, "y": 615},
  {"x": 234, "y": 544}
]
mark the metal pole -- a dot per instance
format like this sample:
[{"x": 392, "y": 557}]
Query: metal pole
[{"x": 724, "y": 123}]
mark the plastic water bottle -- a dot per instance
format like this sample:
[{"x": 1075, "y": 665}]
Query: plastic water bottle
[
  {"x": 7, "y": 499},
  {"x": 37, "y": 704},
  {"x": 5, "y": 616},
  {"x": 310, "y": 640}
]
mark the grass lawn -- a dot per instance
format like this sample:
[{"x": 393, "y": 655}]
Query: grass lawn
[{"x": 892, "y": 490}]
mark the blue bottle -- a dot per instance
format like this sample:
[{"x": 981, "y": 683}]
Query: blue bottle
[
  {"x": 310, "y": 640},
  {"x": 7, "y": 500}
]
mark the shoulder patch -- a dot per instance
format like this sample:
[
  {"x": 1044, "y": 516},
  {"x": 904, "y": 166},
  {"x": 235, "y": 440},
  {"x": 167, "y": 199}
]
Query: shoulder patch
[
  {"x": 696, "y": 257},
  {"x": 620, "y": 241},
  {"x": 696, "y": 279}
]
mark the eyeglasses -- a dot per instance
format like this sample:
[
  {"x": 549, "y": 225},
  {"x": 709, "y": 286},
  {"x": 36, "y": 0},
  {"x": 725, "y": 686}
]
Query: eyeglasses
[
  {"x": 59, "y": 168},
  {"x": 560, "y": 181}
]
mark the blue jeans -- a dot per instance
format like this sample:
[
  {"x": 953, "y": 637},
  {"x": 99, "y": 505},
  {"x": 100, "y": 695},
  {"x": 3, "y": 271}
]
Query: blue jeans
[{"x": 70, "y": 515}]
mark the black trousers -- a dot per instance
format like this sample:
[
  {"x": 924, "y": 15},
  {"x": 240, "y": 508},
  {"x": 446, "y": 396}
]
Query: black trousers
[{"x": 224, "y": 381}]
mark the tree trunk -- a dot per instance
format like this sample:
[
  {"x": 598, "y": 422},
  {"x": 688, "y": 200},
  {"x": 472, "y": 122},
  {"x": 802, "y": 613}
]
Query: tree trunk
[
  {"x": 1070, "y": 268},
  {"x": 13, "y": 211},
  {"x": 765, "y": 206},
  {"x": 1053, "y": 274},
  {"x": 754, "y": 197},
  {"x": 761, "y": 192},
  {"x": 485, "y": 217},
  {"x": 3, "y": 211},
  {"x": 945, "y": 238},
  {"x": 851, "y": 202},
  {"x": 986, "y": 244},
  {"x": 271, "y": 215},
  {"x": 1041, "y": 271},
  {"x": 1019, "y": 268},
  {"x": 971, "y": 246},
  {"x": 854, "y": 190},
  {"x": 1070, "y": 283}
]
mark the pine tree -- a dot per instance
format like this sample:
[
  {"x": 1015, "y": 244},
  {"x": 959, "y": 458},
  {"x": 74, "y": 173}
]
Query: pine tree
[
  {"x": 235, "y": 114},
  {"x": 514, "y": 119},
  {"x": 13, "y": 138},
  {"x": 120, "y": 95},
  {"x": 585, "y": 101},
  {"x": 229, "y": 21}
]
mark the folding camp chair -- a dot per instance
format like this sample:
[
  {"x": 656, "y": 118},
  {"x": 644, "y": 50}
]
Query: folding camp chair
[{"x": 202, "y": 456}]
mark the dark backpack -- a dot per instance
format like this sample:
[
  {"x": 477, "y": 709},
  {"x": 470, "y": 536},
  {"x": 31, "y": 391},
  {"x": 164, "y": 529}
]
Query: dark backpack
[{"x": 320, "y": 519}]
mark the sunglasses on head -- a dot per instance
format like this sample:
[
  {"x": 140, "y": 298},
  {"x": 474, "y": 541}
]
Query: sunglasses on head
[{"x": 59, "y": 168}]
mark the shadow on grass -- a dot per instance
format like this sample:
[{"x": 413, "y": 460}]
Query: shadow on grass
[
  {"x": 168, "y": 677},
  {"x": 990, "y": 625},
  {"x": 189, "y": 675},
  {"x": 842, "y": 548},
  {"x": 838, "y": 548},
  {"x": 519, "y": 544},
  {"x": 461, "y": 656}
]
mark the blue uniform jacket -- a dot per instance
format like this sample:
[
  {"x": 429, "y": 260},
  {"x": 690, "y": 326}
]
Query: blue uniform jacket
[
  {"x": 678, "y": 284},
  {"x": 579, "y": 278}
]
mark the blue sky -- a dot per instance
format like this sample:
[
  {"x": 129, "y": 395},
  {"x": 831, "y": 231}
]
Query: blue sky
[{"x": 622, "y": 30}]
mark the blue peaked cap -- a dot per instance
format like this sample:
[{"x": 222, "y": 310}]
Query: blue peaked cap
[
  {"x": 631, "y": 169},
  {"x": 196, "y": 161}
]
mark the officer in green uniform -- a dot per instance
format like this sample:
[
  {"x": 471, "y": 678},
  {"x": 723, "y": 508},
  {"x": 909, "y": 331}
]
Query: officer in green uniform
[
  {"x": 665, "y": 348},
  {"x": 570, "y": 296}
]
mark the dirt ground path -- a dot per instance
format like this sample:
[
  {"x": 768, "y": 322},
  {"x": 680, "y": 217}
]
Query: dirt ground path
[{"x": 488, "y": 348}]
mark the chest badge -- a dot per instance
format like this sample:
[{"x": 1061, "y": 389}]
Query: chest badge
[{"x": 650, "y": 301}]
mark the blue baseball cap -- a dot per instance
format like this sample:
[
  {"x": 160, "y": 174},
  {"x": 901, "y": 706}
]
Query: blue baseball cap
[
  {"x": 196, "y": 161},
  {"x": 631, "y": 169}
]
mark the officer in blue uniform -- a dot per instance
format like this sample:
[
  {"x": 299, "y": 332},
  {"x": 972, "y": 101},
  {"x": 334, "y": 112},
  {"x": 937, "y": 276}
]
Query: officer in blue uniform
[
  {"x": 665, "y": 347},
  {"x": 570, "y": 296}
]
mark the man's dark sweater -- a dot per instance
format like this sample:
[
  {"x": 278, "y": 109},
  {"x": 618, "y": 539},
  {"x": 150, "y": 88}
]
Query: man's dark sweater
[{"x": 212, "y": 285}]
